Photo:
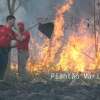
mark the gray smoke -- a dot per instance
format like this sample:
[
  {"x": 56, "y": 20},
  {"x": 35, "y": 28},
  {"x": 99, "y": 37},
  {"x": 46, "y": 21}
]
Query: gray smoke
[{"x": 30, "y": 10}]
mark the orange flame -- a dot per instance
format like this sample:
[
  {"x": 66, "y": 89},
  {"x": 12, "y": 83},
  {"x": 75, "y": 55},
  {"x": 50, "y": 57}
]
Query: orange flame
[
  {"x": 56, "y": 41},
  {"x": 76, "y": 54}
]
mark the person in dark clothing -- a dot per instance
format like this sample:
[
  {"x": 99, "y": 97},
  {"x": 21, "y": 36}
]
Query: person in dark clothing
[{"x": 6, "y": 37}]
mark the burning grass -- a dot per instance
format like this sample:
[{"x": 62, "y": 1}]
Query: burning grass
[{"x": 75, "y": 54}]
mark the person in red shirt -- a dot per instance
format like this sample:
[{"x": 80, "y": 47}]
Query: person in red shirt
[
  {"x": 6, "y": 37},
  {"x": 23, "y": 51}
]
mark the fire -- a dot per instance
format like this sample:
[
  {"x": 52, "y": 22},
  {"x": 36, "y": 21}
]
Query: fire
[
  {"x": 14, "y": 67},
  {"x": 56, "y": 42},
  {"x": 75, "y": 54}
]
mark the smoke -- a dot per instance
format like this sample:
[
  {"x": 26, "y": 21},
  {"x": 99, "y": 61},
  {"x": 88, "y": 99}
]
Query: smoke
[{"x": 30, "y": 10}]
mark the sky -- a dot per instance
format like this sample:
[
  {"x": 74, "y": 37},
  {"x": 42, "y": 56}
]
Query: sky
[{"x": 42, "y": 8}]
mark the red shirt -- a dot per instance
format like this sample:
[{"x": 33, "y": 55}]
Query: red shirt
[
  {"x": 23, "y": 45},
  {"x": 6, "y": 35}
]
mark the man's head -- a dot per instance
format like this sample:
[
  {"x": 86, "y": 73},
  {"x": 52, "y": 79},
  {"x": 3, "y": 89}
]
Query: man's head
[
  {"x": 10, "y": 20},
  {"x": 21, "y": 26}
]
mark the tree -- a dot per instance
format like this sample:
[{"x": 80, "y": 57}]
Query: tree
[{"x": 12, "y": 7}]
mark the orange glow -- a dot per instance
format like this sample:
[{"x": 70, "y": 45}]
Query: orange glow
[{"x": 76, "y": 54}]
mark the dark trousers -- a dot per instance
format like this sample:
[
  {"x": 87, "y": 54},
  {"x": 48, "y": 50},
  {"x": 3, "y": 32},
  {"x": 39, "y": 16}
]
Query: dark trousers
[{"x": 4, "y": 52}]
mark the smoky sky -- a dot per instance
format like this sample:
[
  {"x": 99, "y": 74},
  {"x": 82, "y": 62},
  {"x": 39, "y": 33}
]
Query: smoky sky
[
  {"x": 46, "y": 8},
  {"x": 30, "y": 10}
]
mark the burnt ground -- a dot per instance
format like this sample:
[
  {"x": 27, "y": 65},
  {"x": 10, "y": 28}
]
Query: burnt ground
[{"x": 49, "y": 90}]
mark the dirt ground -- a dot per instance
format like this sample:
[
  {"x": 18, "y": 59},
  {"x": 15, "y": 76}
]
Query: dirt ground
[{"x": 48, "y": 90}]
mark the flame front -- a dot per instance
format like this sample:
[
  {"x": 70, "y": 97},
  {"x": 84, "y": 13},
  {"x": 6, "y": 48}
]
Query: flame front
[
  {"x": 75, "y": 54},
  {"x": 56, "y": 41}
]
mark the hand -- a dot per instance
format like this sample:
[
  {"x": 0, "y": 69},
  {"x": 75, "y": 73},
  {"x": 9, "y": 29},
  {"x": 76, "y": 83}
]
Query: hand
[{"x": 15, "y": 29}]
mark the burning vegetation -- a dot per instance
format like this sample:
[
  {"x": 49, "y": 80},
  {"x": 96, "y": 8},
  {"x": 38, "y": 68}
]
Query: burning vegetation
[{"x": 77, "y": 53}]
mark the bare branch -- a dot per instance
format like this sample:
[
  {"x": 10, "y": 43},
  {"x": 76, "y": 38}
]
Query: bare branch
[
  {"x": 9, "y": 6},
  {"x": 19, "y": 5},
  {"x": 32, "y": 27},
  {"x": 13, "y": 6}
]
